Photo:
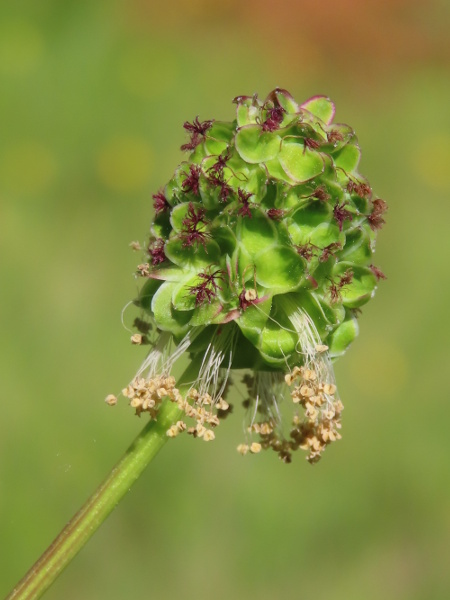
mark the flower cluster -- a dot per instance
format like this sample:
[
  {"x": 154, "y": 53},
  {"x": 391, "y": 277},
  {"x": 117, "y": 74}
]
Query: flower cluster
[{"x": 259, "y": 258}]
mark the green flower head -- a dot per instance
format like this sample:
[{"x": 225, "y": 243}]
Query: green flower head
[{"x": 259, "y": 259}]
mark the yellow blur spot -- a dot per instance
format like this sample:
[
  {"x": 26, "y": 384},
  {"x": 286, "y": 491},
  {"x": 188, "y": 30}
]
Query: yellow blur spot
[
  {"x": 381, "y": 366},
  {"x": 124, "y": 164},
  {"x": 431, "y": 160},
  {"x": 27, "y": 167},
  {"x": 21, "y": 47},
  {"x": 144, "y": 74}
]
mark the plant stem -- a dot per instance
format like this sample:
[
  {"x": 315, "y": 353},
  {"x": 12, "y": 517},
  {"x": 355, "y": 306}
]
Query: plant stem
[{"x": 87, "y": 520}]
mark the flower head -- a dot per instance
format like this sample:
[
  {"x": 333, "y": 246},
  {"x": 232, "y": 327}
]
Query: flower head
[{"x": 259, "y": 259}]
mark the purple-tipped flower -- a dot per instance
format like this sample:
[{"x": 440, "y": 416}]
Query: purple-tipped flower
[{"x": 259, "y": 261}]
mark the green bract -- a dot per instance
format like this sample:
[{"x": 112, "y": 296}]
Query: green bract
[{"x": 260, "y": 258}]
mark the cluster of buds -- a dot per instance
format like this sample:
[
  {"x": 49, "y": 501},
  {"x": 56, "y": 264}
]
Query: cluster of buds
[{"x": 259, "y": 258}]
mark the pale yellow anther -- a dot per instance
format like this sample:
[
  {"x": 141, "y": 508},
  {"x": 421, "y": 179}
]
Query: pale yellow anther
[
  {"x": 306, "y": 391},
  {"x": 111, "y": 400},
  {"x": 265, "y": 429},
  {"x": 172, "y": 431},
  {"x": 309, "y": 375},
  {"x": 180, "y": 425},
  {"x": 329, "y": 388},
  {"x": 136, "y": 339},
  {"x": 222, "y": 405},
  {"x": 250, "y": 295},
  {"x": 200, "y": 429},
  {"x": 243, "y": 449},
  {"x": 321, "y": 348},
  {"x": 255, "y": 448},
  {"x": 328, "y": 414},
  {"x": 213, "y": 420},
  {"x": 144, "y": 269},
  {"x": 209, "y": 435}
]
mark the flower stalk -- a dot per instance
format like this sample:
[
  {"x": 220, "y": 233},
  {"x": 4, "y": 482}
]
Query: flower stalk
[
  {"x": 259, "y": 259},
  {"x": 88, "y": 519}
]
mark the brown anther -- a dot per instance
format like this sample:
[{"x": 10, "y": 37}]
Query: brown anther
[{"x": 143, "y": 270}]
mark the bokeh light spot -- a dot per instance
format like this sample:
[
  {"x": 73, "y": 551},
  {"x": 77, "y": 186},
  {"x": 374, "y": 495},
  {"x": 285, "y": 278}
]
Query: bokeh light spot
[
  {"x": 27, "y": 167},
  {"x": 21, "y": 47},
  {"x": 124, "y": 164},
  {"x": 431, "y": 159},
  {"x": 145, "y": 73}
]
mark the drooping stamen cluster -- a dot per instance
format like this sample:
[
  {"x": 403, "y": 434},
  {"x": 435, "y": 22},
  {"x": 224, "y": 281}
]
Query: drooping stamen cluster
[{"x": 322, "y": 411}]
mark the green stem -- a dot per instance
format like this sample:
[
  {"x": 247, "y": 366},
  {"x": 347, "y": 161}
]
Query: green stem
[{"x": 87, "y": 520}]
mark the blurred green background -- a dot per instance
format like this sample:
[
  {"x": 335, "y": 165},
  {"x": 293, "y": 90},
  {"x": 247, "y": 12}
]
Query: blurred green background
[{"x": 93, "y": 98}]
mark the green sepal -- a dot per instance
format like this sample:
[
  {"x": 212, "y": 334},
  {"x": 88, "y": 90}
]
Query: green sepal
[
  {"x": 361, "y": 289},
  {"x": 208, "y": 313},
  {"x": 278, "y": 339},
  {"x": 161, "y": 226},
  {"x": 219, "y": 137},
  {"x": 149, "y": 289},
  {"x": 248, "y": 111},
  {"x": 280, "y": 269},
  {"x": 343, "y": 336},
  {"x": 166, "y": 317},
  {"x": 321, "y": 107},
  {"x": 256, "y": 146},
  {"x": 253, "y": 320},
  {"x": 357, "y": 248},
  {"x": 195, "y": 257},
  {"x": 257, "y": 233},
  {"x": 348, "y": 157},
  {"x": 300, "y": 163}
]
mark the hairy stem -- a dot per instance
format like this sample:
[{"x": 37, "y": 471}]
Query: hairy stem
[{"x": 87, "y": 520}]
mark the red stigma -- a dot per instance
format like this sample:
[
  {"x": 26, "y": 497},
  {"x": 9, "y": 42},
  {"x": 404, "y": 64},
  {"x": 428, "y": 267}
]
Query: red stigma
[
  {"x": 160, "y": 203},
  {"x": 377, "y": 272},
  {"x": 156, "y": 251},
  {"x": 206, "y": 291},
  {"x": 191, "y": 183},
  {"x": 197, "y": 130},
  {"x": 375, "y": 219},
  {"x": 341, "y": 214},
  {"x": 243, "y": 198}
]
